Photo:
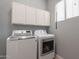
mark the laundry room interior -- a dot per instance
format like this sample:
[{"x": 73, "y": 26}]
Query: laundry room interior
[{"x": 39, "y": 29}]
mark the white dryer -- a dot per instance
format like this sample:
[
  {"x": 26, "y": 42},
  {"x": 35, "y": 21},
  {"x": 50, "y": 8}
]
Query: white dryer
[
  {"x": 45, "y": 45},
  {"x": 21, "y": 45}
]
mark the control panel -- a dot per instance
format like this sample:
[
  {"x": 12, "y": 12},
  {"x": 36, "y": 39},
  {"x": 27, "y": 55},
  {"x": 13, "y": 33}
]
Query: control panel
[{"x": 22, "y": 33}]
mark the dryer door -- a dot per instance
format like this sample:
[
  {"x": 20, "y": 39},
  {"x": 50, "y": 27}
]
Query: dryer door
[{"x": 47, "y": 46}]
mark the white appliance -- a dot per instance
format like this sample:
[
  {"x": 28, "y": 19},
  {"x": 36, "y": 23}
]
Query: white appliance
[
  {"x": 21, "y": 45},
  {"x": 46, "y": 44}
]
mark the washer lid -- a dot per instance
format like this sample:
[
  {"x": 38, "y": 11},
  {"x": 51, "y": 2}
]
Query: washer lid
[{"x": 14, "y": 38}]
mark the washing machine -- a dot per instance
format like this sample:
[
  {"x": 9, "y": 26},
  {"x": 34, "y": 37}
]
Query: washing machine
[
  {"x": 21, "y": 45},
  {"x": 45, "y": 44}
]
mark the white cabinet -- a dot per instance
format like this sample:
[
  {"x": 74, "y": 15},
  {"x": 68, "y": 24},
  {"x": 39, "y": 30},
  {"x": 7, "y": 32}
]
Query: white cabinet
[
  {"x": 18, "y": 13},
  {"x": 40, "y": 17},
  {"x": 25, "y": 15},
  {"x": 43, "y": 18},
  {"x": 46, "y": 18},
  {"x": 30, "y": 16}
]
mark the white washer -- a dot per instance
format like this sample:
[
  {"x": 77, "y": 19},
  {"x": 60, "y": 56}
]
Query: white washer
[
  {"x": 45, "y": 45},
  {"x": 21, "y": 47}
]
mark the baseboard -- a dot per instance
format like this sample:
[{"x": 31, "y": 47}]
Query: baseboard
[
  {"x": 59, "y": 57},
  {"x": 2, "y": 56}
]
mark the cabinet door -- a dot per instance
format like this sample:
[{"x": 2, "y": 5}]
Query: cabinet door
[
  {"x": 18, "y": 13},
  {"x": 40, "y": 17},
  {"x": 43, "y": 18},
  {"x": 47, "y": 18},
  {"x": 27, "y": 49},
  {"x": 30, "y": 15}
]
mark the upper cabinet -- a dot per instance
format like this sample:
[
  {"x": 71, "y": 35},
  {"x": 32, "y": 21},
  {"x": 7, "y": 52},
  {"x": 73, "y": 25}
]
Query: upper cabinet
[
  {"x": 25, "y": 15},
  {"x": 18, "y": 13},
  {"x": 30, "y": 15},
  {"x": 47, "y": 18},
  {"x": 43, "y": 17}
]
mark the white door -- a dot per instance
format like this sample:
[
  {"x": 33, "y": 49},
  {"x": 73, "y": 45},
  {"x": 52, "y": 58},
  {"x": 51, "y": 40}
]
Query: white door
[
  {"x": 27, "y": 49},
  {"x": 18, "y": 13},
  {"x": 30, "y": 15}
]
